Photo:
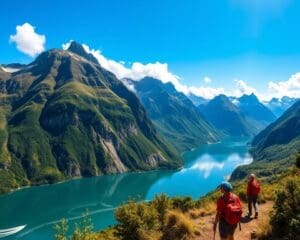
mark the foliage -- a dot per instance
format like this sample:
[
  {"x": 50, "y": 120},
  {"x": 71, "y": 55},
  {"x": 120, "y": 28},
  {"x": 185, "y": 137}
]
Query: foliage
[
  {"x": 161, "y": 203},
  {"x": 135, "y": 220},
  {"x": 83, "y": 230},
  {"x": 183, "y": 203},
  {"x": 285, "y": 219},
  {"x": 61, "y": 230}
]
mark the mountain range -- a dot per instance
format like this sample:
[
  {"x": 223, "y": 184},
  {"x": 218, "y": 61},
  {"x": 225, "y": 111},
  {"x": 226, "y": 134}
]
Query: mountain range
[
  {"x": 174, "y": 115},
  {"x": 244, "y": 116},
  {"x": 65, "y": 116}
]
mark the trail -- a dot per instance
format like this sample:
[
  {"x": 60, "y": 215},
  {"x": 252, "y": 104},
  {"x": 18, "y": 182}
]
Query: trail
[{"x": 205, "y": 224}]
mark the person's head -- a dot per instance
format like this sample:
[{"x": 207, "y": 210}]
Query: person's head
[
  {"x": 226, "y": 187},
  {"x": 251, "y": 176}
]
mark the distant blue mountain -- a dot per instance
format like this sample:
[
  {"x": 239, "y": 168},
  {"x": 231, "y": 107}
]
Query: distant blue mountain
[
  {"x": 279, "y": 106},
  {"x": 227, "y": 117},
  {"x": 237, "y": 116},
  {"x": 197, "y": 100}
]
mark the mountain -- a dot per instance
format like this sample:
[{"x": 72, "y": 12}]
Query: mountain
[
  {"x": 253, "y": 108},
  {"x": 227, "y": 117},
  {"x": 275, "y": 148},
  {"x": 65, "y": 116},
  {"x": 12, "y": 67},
  {"x": 174, "y": 114},
  {"x": 279, "y": 106},
  {"x": 283, "y": 131},
  {"x": 197, "y": 100}
]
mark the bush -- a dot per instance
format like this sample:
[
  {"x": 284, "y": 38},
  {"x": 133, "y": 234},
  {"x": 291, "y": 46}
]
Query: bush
[
  {"x": 285, "y": 219},
  {"x": 183, "y": 203},
  {"x": 83, "y": 230},
  {"x": 135, "y": 220},
  {"x": 178, "y": 227},
  {"x": 161, "y": 203}
]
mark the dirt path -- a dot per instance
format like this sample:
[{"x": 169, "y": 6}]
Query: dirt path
[{"x": 204, "y": 224}]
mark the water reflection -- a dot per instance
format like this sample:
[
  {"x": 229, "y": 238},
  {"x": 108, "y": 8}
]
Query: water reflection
[{"x": 205, "y": 168}]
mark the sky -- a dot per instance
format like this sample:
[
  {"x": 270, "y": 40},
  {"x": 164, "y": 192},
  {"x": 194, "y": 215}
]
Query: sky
[{"x": 203, "y": 47}]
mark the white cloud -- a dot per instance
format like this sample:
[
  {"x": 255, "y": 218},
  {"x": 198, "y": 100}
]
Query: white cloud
[
  {"x": 157, "y": 70},
  {"x": 27, "y": 40},
  {"x": 243, "y": 88},
  {"x": 206, "y": 92},
  {"x": 136, "y": 71},
  {"x": 289, "y": 88},
  {"x": 207, "y": 80}
]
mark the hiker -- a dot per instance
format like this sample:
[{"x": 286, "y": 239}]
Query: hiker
[
  {"x": 253, "y": 189},
  {"x": 229, "y": 212}
]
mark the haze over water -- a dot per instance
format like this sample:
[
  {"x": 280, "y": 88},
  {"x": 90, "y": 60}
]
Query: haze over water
[{"x": 40, "y": 207}]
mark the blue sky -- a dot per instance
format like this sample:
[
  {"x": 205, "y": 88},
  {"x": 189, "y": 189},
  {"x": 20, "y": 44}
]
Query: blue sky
[{"x": 240, "y": 45}]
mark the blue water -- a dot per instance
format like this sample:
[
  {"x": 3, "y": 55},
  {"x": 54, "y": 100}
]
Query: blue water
[{"x": 39, "y": 208}]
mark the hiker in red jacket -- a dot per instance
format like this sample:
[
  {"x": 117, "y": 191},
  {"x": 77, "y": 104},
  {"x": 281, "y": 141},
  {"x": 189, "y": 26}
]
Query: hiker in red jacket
[
  {"x": 253, "y": 189},
  {"x": 229, "y": 212}
]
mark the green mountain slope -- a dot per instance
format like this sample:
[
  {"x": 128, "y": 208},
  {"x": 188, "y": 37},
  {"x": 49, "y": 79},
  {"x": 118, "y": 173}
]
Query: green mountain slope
[
  {"x": 274, "y": 149},
  {"x": 227, "y": 117},
  {"x": 174, "y": 114},
  {"x": 65, "y": 116}
]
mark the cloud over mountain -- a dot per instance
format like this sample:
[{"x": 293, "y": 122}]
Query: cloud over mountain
[
  {"x": 27, "y": 40},
  {"x": 290, "y": 88},
  {"x": 137, "y": 71}
]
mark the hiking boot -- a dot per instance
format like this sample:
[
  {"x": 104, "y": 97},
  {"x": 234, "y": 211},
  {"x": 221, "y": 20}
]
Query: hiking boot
[{"x": 256, "y": 215}]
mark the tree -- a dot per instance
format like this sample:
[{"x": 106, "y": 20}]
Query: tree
[{"x": 285, "y": 219}]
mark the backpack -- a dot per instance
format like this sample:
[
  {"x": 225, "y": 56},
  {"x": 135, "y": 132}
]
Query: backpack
[
  {"x": 233, "y": 210},
  {"x": 255, "y": 188}
]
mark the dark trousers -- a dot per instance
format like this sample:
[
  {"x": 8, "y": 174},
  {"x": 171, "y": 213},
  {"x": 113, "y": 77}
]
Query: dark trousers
[{"x": 252, "y": 201}]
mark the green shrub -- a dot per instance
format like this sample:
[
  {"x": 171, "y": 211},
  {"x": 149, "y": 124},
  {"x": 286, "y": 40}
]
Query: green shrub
[
  {"x": 61, "y": 230},
  {"x": 183, "y": 203},
  {"x": 83, "y": 230},
  {"x": 135, "y": 220},
  {"x": 161, "y": 203},
  {"x": 285, "y": 219}
]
